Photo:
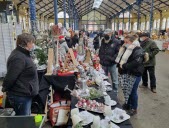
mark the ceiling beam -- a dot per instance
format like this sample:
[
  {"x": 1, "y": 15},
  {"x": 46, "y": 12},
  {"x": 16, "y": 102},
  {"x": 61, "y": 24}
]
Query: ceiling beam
[
  {"x": 44, "y": 6},
  {"x": 106, "y": 14},
  {"x": 84, "y": 7},
  {"x": 86, "y": 12},
  {"x": 132, "y": 6},
  {"x": 110, "y": 7},
  {"x": 101, "y": 12},
  {"x": 164, "y": 2}
]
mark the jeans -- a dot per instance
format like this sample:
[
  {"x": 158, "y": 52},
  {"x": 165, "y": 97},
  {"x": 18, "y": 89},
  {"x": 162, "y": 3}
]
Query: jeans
[
  {"x": 114, "y": 75},
  {"x": 151, "y": 71},
  {"x": 133, "y": 98},
  {"x": 21, "y": 105}
]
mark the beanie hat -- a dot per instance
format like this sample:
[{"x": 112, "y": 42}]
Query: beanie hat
[
  {"x": 146, "y": 34},
  {"x": 107, "y": 31}
]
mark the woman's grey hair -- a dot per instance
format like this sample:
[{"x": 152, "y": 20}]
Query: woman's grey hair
[{"x": 24, "y": 39}]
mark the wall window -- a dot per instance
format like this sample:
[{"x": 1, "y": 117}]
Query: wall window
[
  {"x": 126, "y": 15},
  {"x": 168, "y": 22},
  {"x": 120, "y": 26},
  {"x": 155, "y": 24},
  {"x": 127, "y": 26},
  {"x": 135, "y": 26},
  {"x": 143, "y": 26},
  {"x": 164, "y": 24},
  {"x": 61, "y": 15},
  {"x": 148, "y": 25},
  {"x": 158, "y": 24}
]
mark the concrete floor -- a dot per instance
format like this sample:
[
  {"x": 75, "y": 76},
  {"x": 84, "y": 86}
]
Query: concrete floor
[{"x": 153, "y": 111}]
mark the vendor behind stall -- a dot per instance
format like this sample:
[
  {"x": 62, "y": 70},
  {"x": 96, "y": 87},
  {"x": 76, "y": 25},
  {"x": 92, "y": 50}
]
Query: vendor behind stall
[{"x": 21, "y": 81}]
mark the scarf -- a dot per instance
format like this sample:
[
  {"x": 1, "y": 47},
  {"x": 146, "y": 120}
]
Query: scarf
[{"x": 124, "y": 54}]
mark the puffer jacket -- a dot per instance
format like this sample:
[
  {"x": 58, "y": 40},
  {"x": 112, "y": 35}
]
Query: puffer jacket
[
  {"x": 134, "y": 65},
  {"x": 109, "y": 51},
  {"x": 21, "y": 78}
]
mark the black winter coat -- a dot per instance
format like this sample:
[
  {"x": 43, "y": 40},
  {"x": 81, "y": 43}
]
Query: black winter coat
[
  {"x": 21, "y": 78},
  {"x": 75, "y": 40},
  {"x": 68, "y": 41},
  {"x": 134, "y": 65},
  {"x": 108, "y": 52},
  {"x": 96, "y": 42}
]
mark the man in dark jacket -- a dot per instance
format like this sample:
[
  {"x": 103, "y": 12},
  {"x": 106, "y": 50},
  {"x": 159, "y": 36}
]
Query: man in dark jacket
[
  {"x": 108, "y": 52},
  {"x": 21, "y": 81},
  {"x": 75, "y": 40},
  {"x": 96, "y": 42},
  {"x": 151, "y": 48}
]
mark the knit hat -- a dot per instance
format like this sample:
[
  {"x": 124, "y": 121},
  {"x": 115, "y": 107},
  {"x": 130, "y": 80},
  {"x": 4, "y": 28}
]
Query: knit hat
[
  {"x": 146, "y": 34},
  {"x": 61, "y": 37},
  {"x": 107, "y": 31}
]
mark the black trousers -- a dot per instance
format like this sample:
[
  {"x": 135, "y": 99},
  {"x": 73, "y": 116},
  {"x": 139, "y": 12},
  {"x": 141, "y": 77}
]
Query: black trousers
[{"x": 151, "y": 71}]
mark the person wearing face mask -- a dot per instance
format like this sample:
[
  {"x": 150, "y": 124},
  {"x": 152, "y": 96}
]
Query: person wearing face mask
[
  {"x": 151, "y": 48},
  {"x": 108, "y": 53},
  {"x": 21, "y": 80},
  {"x": 130, "y": 66}
]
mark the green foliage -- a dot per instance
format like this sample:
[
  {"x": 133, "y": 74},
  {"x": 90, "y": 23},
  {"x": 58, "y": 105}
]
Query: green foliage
[{"x": 41, "y": 56}]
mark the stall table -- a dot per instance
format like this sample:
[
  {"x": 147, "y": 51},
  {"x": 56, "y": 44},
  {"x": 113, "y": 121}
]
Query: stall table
[{"x": 125, "y": 124}]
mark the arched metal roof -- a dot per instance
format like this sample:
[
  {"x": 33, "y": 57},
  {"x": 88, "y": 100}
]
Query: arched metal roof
[{"x": 108, "y": 8}]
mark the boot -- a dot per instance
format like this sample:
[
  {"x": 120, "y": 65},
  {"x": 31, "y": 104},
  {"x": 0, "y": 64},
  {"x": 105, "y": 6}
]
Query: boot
[
  {"x": 132, "y": 112},
  {"x": 153, "y": 90}
]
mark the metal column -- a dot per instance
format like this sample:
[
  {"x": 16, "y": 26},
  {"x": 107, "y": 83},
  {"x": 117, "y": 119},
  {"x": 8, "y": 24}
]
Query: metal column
[
  {"x": 161, "y": 20},
  {"x": 151, "y": 16},
  {"x": 145, "y": 22},
  {"x": 123, "y": 22},
  {"x": 69, "y": 13},
  {"x": 138, "y": 14},
  {"x": 32, "y": 8},
  {"x": 129, "y": 20},
  {"x": 118, "y": 23},
  {"x": 74, "y": 19},
  {"x": 56, "y": 11},
  {"x": 64, "y": 5},
  {"x": 114, "y": 23},
  {"x": 77, "y": 23}
]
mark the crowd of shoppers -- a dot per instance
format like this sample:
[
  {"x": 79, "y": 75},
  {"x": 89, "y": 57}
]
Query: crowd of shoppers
[
  {"x": 128, "y": 57},
  {"x": 133, "y": 54}
]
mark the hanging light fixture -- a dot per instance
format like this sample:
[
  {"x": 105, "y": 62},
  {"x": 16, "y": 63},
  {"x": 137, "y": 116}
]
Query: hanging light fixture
[{"x": 97, "y": 3}]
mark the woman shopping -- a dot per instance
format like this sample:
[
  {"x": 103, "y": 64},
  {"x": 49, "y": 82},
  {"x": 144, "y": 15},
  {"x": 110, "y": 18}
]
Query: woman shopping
[
  {"x": 130, "y": 66},
  {"x": 21, "y": 81}
]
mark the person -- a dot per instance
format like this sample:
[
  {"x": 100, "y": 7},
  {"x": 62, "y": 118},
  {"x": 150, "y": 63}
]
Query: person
[
  {"x": 21, "y": 80},
  {"x": 75, "y": 40},
  {"x": 96, "y": 42},
  {"x": 151, "y": 48},
  {"x": 107, "y": 54},
  {"x": 68, "y": 40},
  {"x": 130, "y": 66},
  {"x": 63, "y": 47}
]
